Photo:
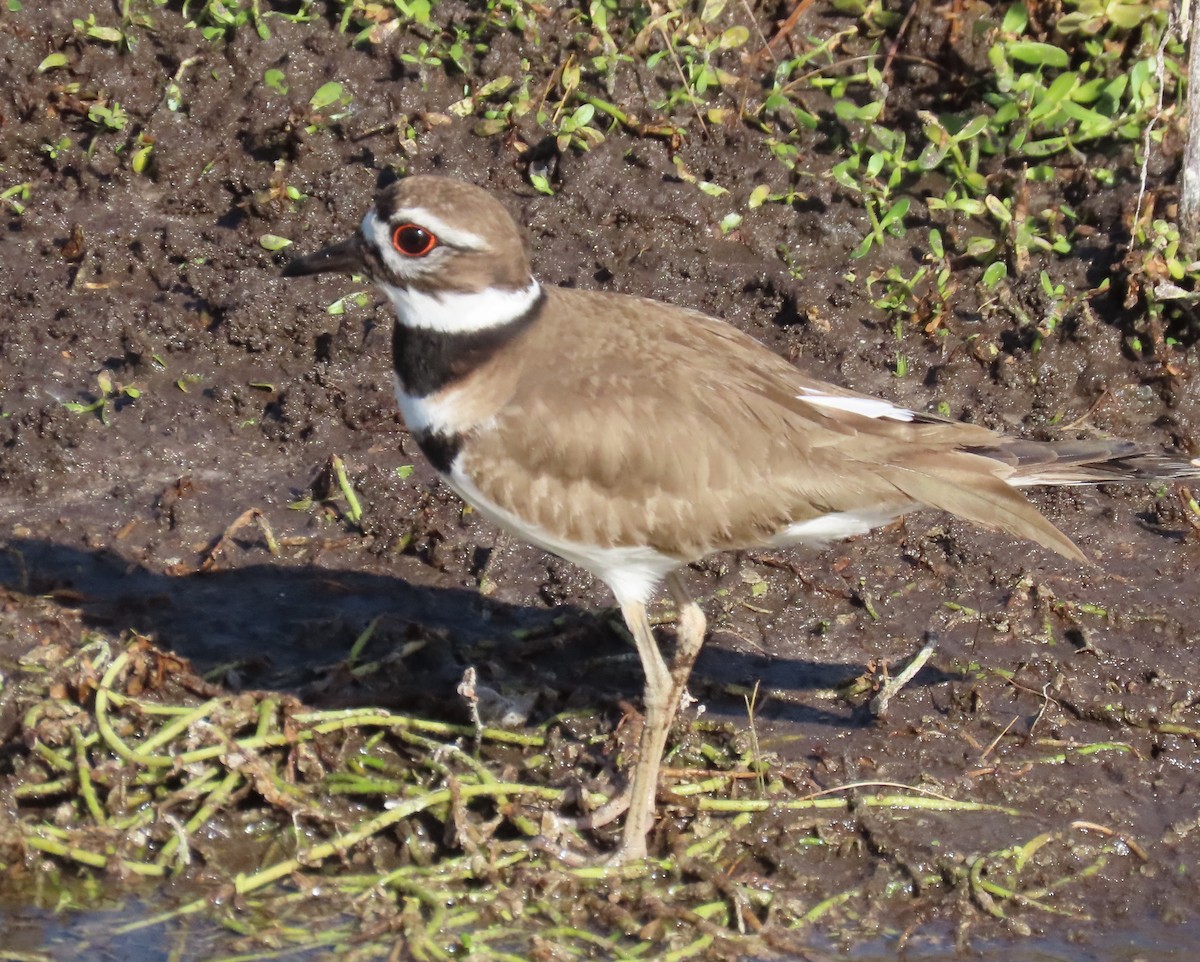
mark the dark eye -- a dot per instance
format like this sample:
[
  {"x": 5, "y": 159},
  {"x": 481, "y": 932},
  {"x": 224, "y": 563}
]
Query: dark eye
[{"x": 413, "y": 241}]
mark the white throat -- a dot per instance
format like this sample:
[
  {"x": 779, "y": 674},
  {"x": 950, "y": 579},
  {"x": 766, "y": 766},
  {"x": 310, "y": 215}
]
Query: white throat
[{"x": 456, "y": 312}]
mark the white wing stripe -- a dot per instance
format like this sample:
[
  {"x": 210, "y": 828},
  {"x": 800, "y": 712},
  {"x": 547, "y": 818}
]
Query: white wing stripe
[{"x": 868, "y": 407}]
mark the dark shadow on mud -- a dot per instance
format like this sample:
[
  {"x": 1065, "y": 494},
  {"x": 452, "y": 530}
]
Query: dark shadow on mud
[{"x": 292, "y": 628}]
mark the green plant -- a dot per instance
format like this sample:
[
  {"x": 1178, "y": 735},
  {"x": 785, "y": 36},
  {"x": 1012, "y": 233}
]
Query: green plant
[
  {"x": 110, "y": 393},
  {"x": 329, "y": 95},
  {"x": 99, "y": 33},
  {"x": 1159, "y": 274},
  {"x": 108, "y": 115},
  {"x": 52, "y": 150},
  {"x": 572, "y": 127},
  {"x": 216, "y": 19},
  {"x": 14, "y": 195}
]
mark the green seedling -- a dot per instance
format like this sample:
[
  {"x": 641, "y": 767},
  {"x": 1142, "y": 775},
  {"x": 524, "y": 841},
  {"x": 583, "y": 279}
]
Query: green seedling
[
  {"x": 692, "y": 48},
  {"x": 276, "y": 80},
  {"x": 354, "y": 512},
  {"x": 472, "y": 102},
  {"x": 955, "y": 152},
  {"x": 218, "y": 19},
  {"x": 605, "y": 63},
  {"x": 94, "y": 31},
  {"x": 1159, "y": 271},
  {"x": 730, "y": 222},
  {"x": 900, "y": 293},
  {"x": 53, "y": 62},
  {"x": 15, "y": 195},
  {"x": 273, "y": 242},
  {"x": 423, "y": 57},
  {"x": 762, "y": 194},
  {"x": 108, "y": 115},
  {"x": 338, "y": 308},
  {"x": 143, "y": 147},
  {"x": 109, "y": 394},
  {"x": 329, "y": 95},
  {"x": 575, "y": 130},
  {"x": 376, "y": 20},
  {"x": 883, "y": 222}
]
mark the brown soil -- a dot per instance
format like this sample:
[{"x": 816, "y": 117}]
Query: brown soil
[{"x": 247, "y": 387}]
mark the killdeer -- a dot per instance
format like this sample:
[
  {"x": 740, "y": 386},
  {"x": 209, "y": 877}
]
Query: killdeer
[{"x": 633, "y": 437}]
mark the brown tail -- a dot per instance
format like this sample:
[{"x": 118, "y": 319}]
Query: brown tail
[{"x": 1086, "y": 462}]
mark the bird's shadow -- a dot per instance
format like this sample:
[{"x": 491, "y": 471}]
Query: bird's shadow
[{"x": 292, "y": 629}]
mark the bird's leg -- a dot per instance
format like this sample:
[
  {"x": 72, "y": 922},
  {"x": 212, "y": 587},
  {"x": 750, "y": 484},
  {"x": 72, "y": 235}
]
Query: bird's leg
[
  {"x": 663, "y": 692},
  {"x": 691, "y": 626}
]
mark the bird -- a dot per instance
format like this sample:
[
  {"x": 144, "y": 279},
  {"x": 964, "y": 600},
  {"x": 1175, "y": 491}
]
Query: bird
[{"x": 634, "y": 437}]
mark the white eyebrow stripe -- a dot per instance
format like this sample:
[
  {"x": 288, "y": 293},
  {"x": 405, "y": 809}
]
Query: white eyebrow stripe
[
  {"x": 451, "y": 236},
  {"x": 868, "y": 407}
]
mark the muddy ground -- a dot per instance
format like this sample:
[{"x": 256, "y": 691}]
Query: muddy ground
[{"x": 1067, "y": 693}]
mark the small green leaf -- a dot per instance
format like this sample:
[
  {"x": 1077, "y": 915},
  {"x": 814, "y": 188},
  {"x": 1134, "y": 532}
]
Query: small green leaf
[
  {"x": 1043, "y": 148},
  {"x": 1016, "y": 19},
  {"x": 273, "y": 242},
  {"x": 53, "y": 62},
  {"x": 140, "y": 159},
  {"x": 105, "y": 34},
  {"x": 995, "y": 273},
  {"x": 978, "y": 246},
  {"x": 405, "y": 471},
  {"x": 1054, "y": 95},
  {"x": 490, "y": 127},
  {"x": 496, "y": 86},
  {"x": 570, "y": 77},
  {"x": 1037, "y": 54},
  {"x": 973, "y": 128},
  {"x": 733, "y": 38},
  {"x": 276, "y": 80},
  {"x": 895, "y": 216},
  {"x": 932, "y": 155},
  {"x": 759, "y": 196},
  {"x": 731, "y": 222},
  {"x": 326, "y": 95},
  {"x": 997, "y": 208},
  {"x": 863, "y": 247}
]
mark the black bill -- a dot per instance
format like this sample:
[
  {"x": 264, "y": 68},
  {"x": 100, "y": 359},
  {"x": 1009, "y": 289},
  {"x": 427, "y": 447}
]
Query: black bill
[{"x": 345, "y": 257}]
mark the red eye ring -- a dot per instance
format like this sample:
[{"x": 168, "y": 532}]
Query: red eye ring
[{"x": 412, "y": 240}]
